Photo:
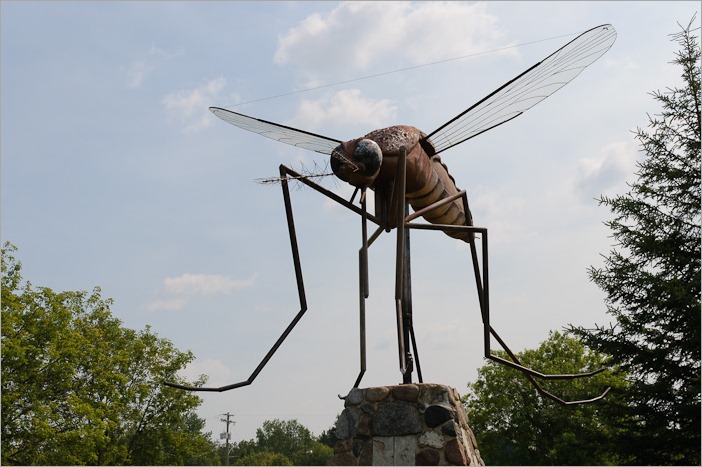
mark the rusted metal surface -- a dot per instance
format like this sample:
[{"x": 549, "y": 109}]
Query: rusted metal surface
[{"x": 426, "y": 178}]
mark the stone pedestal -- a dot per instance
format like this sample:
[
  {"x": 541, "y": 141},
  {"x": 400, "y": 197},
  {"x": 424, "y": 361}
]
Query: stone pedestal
[{"x": 409, "y": 424}]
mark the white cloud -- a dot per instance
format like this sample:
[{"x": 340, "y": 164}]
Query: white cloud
[
  {"x": 144, "y": 66},
  {"x": 605, "y": 171},
  {"x": 504, "y": 213},
  {"x": 171, "y": 304},
  {"x": 346, "y": 108},
  {"x": 138, "y": 71},
  {"x": 176, "y": 290},
  {"x": 190, "y": 106},
  {"x": 357, "y": 35},
  {"x": 205, "y": 284},
  {"x": 218, "y": 374}
]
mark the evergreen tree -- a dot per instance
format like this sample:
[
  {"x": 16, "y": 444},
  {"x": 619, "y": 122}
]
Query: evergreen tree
[{"x": 652, "y": 278}]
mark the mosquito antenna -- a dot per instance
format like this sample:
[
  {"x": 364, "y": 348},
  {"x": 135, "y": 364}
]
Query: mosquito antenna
[
  {"x": 341, "y": 157},
  {"x": 317, "y": 171}
]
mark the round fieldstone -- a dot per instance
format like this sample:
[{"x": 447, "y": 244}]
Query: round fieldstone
[
  {"x": 344, "y": 458},
  {"x": 449, "y": 428},
  {"x": 364, "y": 427},
  {"x": 355, "y": 397},
  {"x": 455, "y": 453},
  {"x": 343, "y": 446},
  {"x": 473, "y": 441},
  {"x": 396, "y": 418},
  {"x": 366, "y": 457},
  {"x": 377, "y": 394},
  {"x": 347, "y": 422},
  {"x": 435, "y": 394},
  {"x": 431, "y": 439},
  {"x": 427, "y": 457},
  {"x": 435, "y": 415},
  {"x": 406, "y": 392},
  {"x": 358, "y": 447}
]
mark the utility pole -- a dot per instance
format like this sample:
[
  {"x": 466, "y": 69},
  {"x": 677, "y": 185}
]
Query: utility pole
[{"x": 226, "y": 435}]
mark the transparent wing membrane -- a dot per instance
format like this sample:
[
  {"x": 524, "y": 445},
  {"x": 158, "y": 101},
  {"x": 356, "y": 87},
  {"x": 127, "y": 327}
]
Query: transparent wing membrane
[
  {"x": 276, "y": 131},
  {"x": 502, "y": 105},
  {"x": 526, "y": 90}
]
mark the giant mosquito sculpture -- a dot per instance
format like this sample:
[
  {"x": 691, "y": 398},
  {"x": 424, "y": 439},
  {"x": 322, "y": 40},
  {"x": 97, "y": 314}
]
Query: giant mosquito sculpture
[{"x": 402, "y": 166}]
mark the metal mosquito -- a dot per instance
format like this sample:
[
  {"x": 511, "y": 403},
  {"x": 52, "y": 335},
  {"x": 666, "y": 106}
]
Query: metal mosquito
[{"x": 402, "y": 166}]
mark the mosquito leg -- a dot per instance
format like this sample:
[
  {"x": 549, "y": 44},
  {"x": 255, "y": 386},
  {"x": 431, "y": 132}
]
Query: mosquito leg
[
  {"x": 530, "y": 374},
  {"x": 399, "y": 282},
  {"x": 481, "y": 281},
  {"x": 480, "y": 268},
  {"x": 363, "y": 285},
  {"x": 416, "y": 353},
  {"x": 402, "y": 277},
  {"x": 408, "y": 322},
  {"x": 355, "y": 192},
  {"x": 300, "y": 290}
]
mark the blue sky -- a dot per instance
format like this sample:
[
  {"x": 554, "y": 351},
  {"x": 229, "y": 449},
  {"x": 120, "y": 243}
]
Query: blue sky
[{"x": 115, "y": 174}]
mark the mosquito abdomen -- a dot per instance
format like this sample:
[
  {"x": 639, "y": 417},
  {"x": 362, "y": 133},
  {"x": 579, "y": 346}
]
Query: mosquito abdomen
[{"x": 440, "y": 185}]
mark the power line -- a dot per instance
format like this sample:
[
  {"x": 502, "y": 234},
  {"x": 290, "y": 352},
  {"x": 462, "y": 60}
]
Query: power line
[
  {"x": 399, "y": 70},
  {"x": 278, "y": 415}
]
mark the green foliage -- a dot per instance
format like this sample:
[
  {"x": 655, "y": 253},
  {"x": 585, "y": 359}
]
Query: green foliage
[
  {"x": 652, "y": 278},
  {"x": 328, "y": 436},
  {"x": 514, "y": 425},
  {"x": 288, "y": 437},
  {"x": 78, "y": 388},
  {"x": 264, "y": 458},
  {"x": 290, "y": 440}
]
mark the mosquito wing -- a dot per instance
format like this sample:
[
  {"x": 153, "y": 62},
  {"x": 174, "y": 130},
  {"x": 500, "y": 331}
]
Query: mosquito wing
[
  {"x": 526, "y": 90},
  {"x": 278, "y": 132}
]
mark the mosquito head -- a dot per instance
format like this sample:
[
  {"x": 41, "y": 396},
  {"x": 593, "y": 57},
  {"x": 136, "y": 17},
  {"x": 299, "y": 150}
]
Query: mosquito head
[{"x": 357, "y": 162}]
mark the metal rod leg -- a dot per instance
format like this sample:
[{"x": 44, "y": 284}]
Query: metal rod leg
[
  {"x": 407, "y": 303},
  {"x": 300, "y": 291},
  {"x": 482, "y": 284},
  {"x": 363, "y": 286},
  {"x": 400, "y": 255},
  {"x": 416, "y": 354},
  {"x": 403, "y": 314}
]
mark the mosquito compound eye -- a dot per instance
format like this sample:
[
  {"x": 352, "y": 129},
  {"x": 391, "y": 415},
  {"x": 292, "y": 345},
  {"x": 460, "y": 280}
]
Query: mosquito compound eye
[{"x": 369, "y": 154}]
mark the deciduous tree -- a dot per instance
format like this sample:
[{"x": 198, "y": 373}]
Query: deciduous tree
[
  {"x": 79, "y": 388},
  {"x": 287, "y": 438},
  {"x": 514, "y": 425}
]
